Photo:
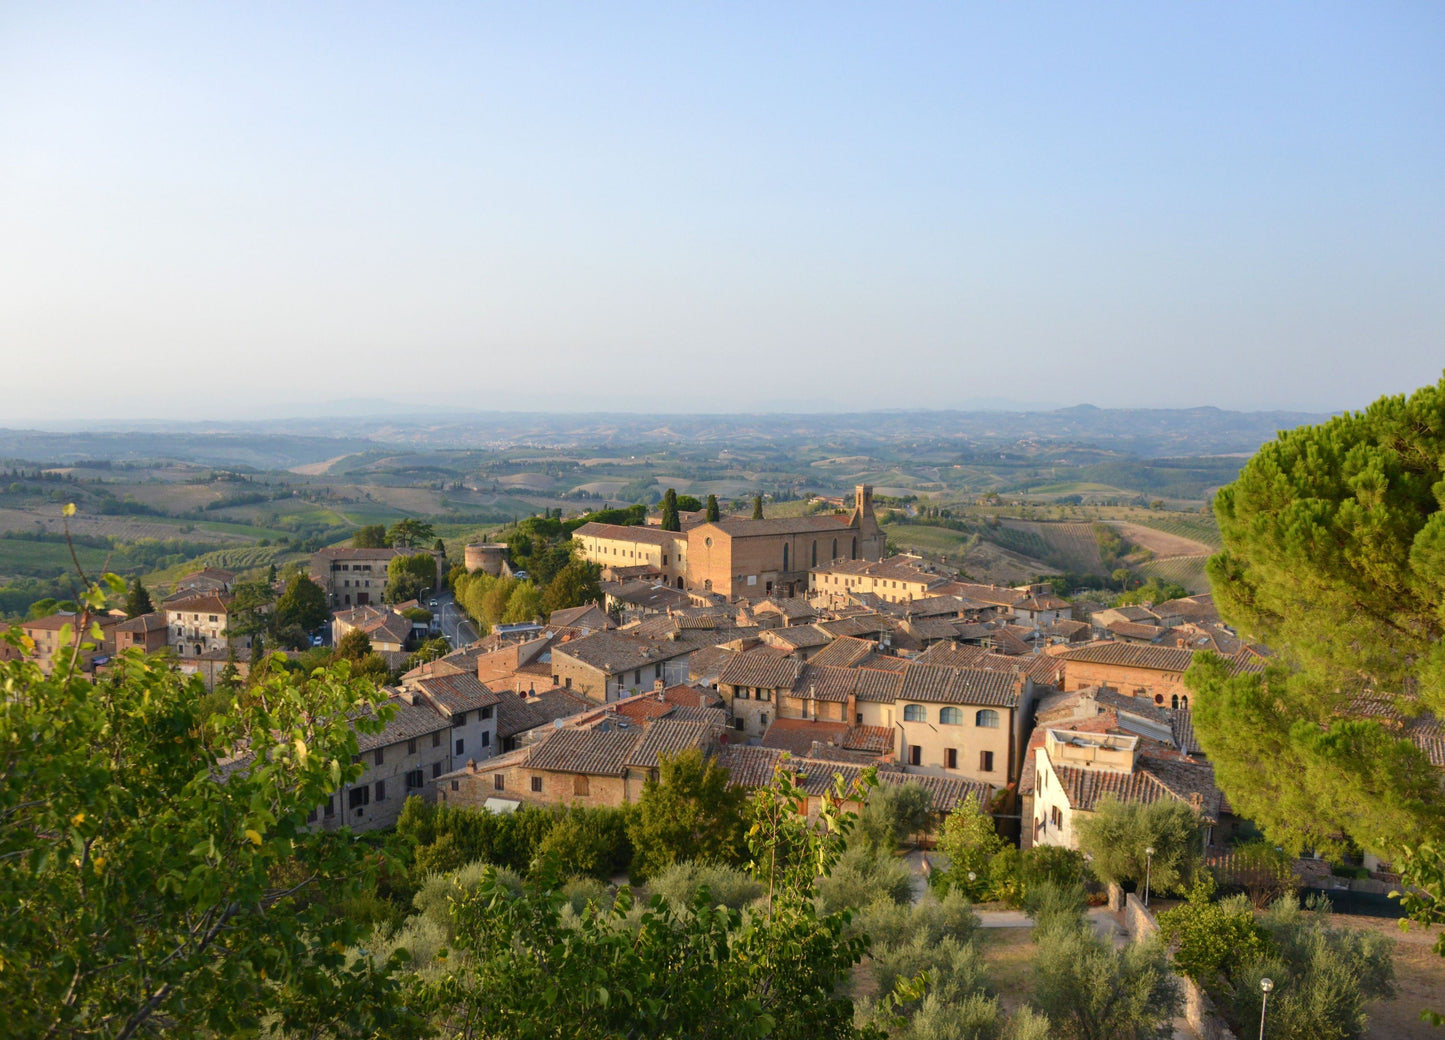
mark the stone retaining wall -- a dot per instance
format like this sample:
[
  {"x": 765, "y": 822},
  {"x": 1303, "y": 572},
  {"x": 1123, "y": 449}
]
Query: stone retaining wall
[{"x": 1199, "y": 1010}]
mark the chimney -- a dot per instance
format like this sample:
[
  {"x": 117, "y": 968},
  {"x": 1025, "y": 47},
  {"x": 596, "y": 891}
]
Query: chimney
[
  {"x": 472, "y": 764},
  {"x": 852, "y": 709},
  {"x": 658, "y": 686}
]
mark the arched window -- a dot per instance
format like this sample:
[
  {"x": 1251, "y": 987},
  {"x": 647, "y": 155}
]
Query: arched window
[
  {"x": 1184, "y": 702},
  {"x": 785, "y": 557},
  {"x": 855, "y": 548},
  {"x": 987, "y": 718},
  {"x": 815, "y": 553},
  {"x": 951, "y": 716},
  {"x": 1175, "y": 702},
  {"x": 915, "y": 713}
]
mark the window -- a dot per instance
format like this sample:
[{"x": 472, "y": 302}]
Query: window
[
  {"x": 381, "y": 790},
  {"x": 987, "y": 718},
  {"x": 815, "y": 553},
  {"x": 329, "y": 810},
  {"x": 785, "y": 559},
  {"x": 486, "y": 738},
  {"x": 459, "y": 747},
  {"x": 950, "y": 758},
  {"x": 1057, "y": 815},
  {"x": 455, "y": 785},
  {"x": 985, "y": 761},
  {"x": 499, "y": 782},
  {"x": 764, "y": 695},
  {"x": 436, "y": 740},
  {"x": 411, "y": 746},
  {"x": 855, "y": 548},
  {"x": 358, "y": 797},
  {"x": 436, "y": 770},
  {"x": 835, "y": 548},
  {"x": 213, "y": 619},
  {"x": 581, "y": 786},
  {"x": 637, "y": 677},
  {"x": 486, "y": 713},
  {"x": 858, "y": 719},
  {"x": 415, "y": 779},
  {"x": 763, "y": 719},
  {"x": 738, "y": 724},
  {"x": 1184, "y": 702},
  {"x": 915, "y": 755},
  {"x": 380, "y": 755},
  {"x": 459, "y": 719},
  {"x": 915, "y": 713},
  {"x": 536, "y": 785},
  {"x": 951, "y": 716}
]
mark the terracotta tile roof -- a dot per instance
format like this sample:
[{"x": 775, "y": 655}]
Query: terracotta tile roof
[
  {"x": 792, "y": 609},
  {"x": 1182, "y": 725},
  {"x": 1134, "y": 630},
  {"x": 748, "y": 766},
  {"x": 517, "y": 715},
  {"x": 858, "y": 625},
  {"x": 457, "y": 693},
  {"x": 932, "y": 628},
  {"x": 646, "y": 594},
  {"x": 204, "y": 604},
  {"x": 956, "y": 655},
  {"x": 558, "y": 703},
  {"x": 410, "y": 722},
  {"x": 765, "y": 667},
  {"x": 944, "y": 606},
  {"x": 894, "y": 568},
  {"x": 875, "y": 739},
  {"x": 569, "y": 616},
  {"x": 669, "y": 737},
  {"x": 51, "y": 622},
  {"x": 827, "y": 684},
  {"x": 1044, "y": 601},
  {"x": 746, "y": 527},
  {"x": 691, "y": 697},
  {"x": 152, "y": 622},
  {"x": 797, "y": 735},
  {"x": 1152, "y": 779},
  {"x": 638, "y": 534},
  {"x": 595, "y": 752},
  {"x": 883, "y": 662},
  {"x": 990, "y": 594},
  {"x": 844, "y": 652},
  {"x": 1131, "y": 655},
  {"x": 708, "y": 662},
  {"x": 878, "y": 686},
  {"x": 346, "y": 552},
  {"x": 973, "y": 686},
  {"x": 617, "y": 652},
  {"x": 802, "y": 637}
]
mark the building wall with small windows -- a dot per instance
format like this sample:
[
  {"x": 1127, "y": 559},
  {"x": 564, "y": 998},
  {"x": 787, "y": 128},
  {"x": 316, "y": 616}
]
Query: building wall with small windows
[
  {"x": 508, "y": 778},
  {"x": 393, "y": 773},
  {"x": 959, "y": 740}
]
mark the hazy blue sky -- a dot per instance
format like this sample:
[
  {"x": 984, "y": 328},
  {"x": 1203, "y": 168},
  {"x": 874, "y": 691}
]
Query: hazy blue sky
[{"x": 221, "y": 209}]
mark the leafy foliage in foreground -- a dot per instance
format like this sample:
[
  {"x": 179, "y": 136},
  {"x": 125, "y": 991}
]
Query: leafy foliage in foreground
[{"x": 155, "y": 865}]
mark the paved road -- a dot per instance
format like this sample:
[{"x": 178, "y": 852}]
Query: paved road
[{"x": 452, "y": 620}]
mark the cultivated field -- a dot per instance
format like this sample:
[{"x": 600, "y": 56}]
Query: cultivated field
[
  {"x": 1072, "y": 545},
  {"x": 1187, "y": 571}
]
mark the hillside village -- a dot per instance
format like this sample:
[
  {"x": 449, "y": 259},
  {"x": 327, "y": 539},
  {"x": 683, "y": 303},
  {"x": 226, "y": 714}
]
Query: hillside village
[
  {"x": 748, "y": 639},
  {"x": 797, "y": 644}
]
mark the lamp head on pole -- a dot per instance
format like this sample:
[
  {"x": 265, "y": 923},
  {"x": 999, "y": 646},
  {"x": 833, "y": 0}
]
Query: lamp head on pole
[
  {"x": 1149, "y": 851},
  {"x": 1266, "y": 984}
]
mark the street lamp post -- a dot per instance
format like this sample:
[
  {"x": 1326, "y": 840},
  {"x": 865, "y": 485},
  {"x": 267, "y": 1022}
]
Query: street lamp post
[
  {"x": 972, "y": 877},
  {"x": 1265, "y": 985},
  {"x": 1148, "y": 866}
]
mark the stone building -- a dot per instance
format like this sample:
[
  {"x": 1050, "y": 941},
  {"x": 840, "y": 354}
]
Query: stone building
[
  {"x": 198, "y": 625},
  {"x": 738, "y": 557},
  {"x": 1155, "y": 673},
  {"x": 357, "y": 577}
]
